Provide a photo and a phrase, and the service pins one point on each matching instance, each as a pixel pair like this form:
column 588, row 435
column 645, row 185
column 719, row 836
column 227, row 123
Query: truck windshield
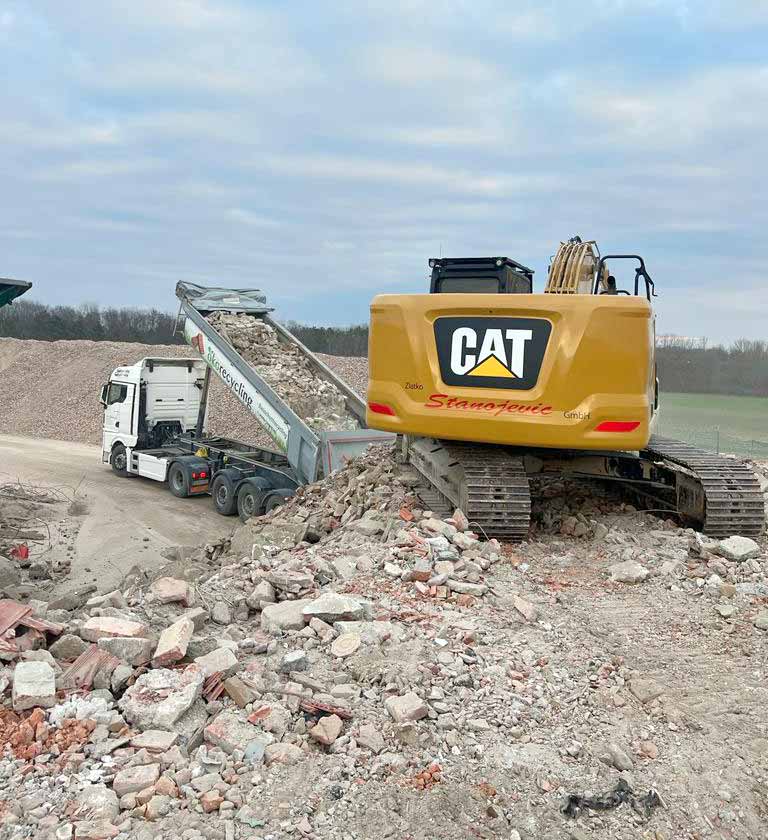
column 116, row 393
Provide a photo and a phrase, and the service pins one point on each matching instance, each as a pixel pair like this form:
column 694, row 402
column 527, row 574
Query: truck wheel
column 178, row 483
column 119, row 460
column 224, row 496
column 276, row 498
column 250, row 500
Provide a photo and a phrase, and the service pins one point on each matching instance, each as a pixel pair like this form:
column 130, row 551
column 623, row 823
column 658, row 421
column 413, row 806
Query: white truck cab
column 155, row 426
column 147, row 404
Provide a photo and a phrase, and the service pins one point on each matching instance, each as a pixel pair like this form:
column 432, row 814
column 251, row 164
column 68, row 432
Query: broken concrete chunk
column 161, row 697
column 221, row 659
column 327, row 729
column 738, row 549
column 173, row 642
column 154, row 740
column 198, row 616
column 98, row 802
column 437, row 526
column 134, row 779
column 406, row 708
column 34, row 684
column 229, row 731
column 99, row 627
column 525, row 608
column 464, row 588
column 68, row 647
column 630, row 571
column 287, row 615
column 133, row 651
column 263, row 593
column 294, row 660
column 170, row 590
column 221, row 613
column 370, row 632
column 283, row 754
column 368, row 527
column 464, row 541
column 617, row 757
column 645, row 690
column 332, row 606
column 370, row 738
column 460, row 520
column 323, row 630
column 91, row 830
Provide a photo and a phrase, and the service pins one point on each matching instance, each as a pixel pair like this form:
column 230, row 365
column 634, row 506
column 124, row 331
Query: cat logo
column 491, row 352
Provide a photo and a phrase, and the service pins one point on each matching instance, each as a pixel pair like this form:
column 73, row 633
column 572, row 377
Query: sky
column 324, row 151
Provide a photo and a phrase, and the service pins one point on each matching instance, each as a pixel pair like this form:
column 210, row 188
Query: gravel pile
column 352, row 369
column 51, row 389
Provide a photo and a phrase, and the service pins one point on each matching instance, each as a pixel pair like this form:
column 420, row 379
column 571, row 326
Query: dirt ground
column 117, row 523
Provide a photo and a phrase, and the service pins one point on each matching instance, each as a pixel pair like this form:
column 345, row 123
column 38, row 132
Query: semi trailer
column 156, row 415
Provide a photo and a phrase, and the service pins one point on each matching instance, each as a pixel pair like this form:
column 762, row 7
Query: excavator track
column 497, row 491
column 488, row 483
column 729, row 500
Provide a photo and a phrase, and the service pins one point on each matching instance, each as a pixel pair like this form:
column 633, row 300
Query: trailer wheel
column 224, row 496
column 250, row 500
column 276, row 498
column 119, row 460
column 178, row 483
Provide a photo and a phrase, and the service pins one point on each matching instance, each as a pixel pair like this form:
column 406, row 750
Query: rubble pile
column 353, row 666
column 287, row 371
column 38, row 528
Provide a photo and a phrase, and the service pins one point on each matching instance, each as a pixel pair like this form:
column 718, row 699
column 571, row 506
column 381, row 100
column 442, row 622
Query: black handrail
column 640, row 271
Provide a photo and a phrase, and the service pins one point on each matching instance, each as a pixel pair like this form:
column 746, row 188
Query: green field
column 715, row 421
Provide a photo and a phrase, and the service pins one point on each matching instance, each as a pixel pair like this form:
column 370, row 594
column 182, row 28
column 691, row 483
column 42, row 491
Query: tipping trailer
column 155, row 416
column 11, row 289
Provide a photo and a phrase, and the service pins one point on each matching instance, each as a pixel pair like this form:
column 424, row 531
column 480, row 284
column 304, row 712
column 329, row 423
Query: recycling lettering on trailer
column 240, row 387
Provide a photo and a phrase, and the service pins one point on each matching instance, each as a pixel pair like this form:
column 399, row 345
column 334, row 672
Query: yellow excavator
column 487, row 383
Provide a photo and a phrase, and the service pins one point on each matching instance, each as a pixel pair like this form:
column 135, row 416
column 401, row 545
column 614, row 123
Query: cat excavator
column 487, row 383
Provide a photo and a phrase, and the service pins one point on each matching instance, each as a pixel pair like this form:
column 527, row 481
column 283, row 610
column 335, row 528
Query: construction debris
column 287, row 371
column 383, row 669
column 621, row 793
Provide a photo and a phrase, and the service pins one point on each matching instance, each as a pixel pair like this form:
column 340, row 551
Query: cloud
column 415, row 64
column 343, row 144
column 97, row 169
column 245, row 217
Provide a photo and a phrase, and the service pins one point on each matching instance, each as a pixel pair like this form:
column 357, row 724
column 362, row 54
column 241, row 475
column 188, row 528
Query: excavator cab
column 481, row 275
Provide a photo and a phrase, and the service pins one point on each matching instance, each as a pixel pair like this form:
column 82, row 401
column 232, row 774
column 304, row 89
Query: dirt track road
column 129, row 520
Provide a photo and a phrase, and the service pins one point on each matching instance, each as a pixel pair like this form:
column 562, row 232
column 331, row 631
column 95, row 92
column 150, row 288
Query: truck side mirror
column 103, row 396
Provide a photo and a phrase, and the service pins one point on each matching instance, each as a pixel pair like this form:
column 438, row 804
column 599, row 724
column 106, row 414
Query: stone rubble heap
column 287, row 371
column 352, row 666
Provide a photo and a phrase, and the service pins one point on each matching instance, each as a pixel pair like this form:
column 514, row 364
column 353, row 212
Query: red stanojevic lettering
column 497, row 407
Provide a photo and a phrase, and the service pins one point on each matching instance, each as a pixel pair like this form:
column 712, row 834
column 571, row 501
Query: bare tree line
column 29, row 319
column 684, row 365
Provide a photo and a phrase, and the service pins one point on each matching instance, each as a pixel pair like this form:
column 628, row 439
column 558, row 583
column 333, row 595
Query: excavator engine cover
column 532, row 370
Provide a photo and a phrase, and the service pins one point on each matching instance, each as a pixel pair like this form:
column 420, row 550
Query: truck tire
column 224, row 495
column 178, row 482
column 276, row 498
column 119, row 460
column 250, row 500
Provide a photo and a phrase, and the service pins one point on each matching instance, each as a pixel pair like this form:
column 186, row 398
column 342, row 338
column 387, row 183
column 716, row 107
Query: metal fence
column 715, row 439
